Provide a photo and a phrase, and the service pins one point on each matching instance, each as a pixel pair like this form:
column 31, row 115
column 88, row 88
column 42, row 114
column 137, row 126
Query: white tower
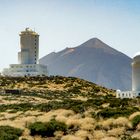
column 27, row 57
column 136, row 73
column 29, row 43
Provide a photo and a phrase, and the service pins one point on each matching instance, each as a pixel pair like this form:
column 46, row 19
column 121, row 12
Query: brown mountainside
column 94, row 61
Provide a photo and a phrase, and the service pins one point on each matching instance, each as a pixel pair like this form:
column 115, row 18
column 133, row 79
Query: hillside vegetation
column 60, row 108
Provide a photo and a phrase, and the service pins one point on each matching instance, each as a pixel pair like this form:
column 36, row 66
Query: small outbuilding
column 13, row 91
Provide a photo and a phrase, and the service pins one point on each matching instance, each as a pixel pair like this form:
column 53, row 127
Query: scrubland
column 60, row 108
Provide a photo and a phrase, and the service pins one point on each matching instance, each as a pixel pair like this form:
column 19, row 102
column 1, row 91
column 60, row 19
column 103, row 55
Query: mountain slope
column 93, row 61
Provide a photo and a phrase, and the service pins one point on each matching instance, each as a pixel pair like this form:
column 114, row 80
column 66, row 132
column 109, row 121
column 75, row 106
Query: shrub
column 116, row 112
column 53, row 126
column 9, row 133
column 38, row 128
column 135, row 121
column 47, row 129
column 75, row 105
column 128, row 138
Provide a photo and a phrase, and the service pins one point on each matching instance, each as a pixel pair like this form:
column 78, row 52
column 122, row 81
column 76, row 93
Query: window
column 139, row 94
column 35, row 43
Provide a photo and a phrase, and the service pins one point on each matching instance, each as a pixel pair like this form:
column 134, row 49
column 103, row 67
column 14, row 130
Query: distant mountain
column 94, row 61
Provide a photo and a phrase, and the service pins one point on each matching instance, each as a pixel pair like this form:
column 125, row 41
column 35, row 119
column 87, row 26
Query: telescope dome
column 136, row 57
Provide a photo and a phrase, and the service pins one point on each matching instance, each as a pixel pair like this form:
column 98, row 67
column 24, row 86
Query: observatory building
column 27, row 57
column 135, row 80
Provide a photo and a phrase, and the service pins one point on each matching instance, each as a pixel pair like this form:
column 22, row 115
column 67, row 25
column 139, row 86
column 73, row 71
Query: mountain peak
column 94, row 43
column 95, row 39
column 97, row 44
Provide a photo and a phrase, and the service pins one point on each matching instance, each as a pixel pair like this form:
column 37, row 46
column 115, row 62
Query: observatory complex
column 27, row 57
column 135, row 80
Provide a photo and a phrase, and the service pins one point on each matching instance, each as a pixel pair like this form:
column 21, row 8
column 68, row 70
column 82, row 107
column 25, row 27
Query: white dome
column 136, row 54
column 118, row 90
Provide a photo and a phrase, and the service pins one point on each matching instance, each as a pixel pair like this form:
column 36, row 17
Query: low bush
column 116, row 112
column 75, row 105
column 135, row 121
column 47, row 129
column 117, row 102
column 38, row 128
column 9, row 133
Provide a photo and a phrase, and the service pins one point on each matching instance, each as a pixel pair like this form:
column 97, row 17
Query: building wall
column 127, row 94
column 29, row 42
column 16, row 70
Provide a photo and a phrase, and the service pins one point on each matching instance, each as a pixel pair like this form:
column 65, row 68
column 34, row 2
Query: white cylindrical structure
column 136, row 73
column 29, row 43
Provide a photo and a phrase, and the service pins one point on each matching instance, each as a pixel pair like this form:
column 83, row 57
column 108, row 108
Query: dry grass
column 106, row 124
column 87, row 123
column 22, row 99
column 116, row 131
column 60, row 115
column 58, row 134
column 110, row 138
column 84, row 134
column 122, row 122
column 54, row 87
column 99, row 134
column 136, row 135
column 105, row 105
column 133, row 115
column 80, row 98
column 71, row 137
column 6, row 115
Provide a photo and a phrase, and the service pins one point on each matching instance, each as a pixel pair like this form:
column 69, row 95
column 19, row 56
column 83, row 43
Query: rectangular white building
column 127, row 94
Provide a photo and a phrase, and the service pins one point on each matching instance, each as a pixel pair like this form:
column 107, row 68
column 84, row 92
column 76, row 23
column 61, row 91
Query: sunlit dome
column 136, row 54
column 118, row 90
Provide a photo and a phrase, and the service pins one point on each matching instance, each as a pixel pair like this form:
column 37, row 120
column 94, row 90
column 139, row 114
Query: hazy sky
column 68, row 23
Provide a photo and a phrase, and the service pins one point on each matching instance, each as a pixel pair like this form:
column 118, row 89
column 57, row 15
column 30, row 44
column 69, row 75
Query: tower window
column 35, row 43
